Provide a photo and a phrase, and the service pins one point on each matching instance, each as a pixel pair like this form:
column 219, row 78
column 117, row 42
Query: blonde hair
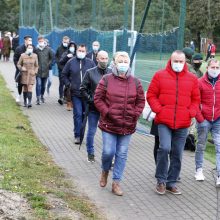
column 213, row 60
column 121, row 54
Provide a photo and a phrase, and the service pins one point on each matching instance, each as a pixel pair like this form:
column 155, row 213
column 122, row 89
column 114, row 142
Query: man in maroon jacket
column 173, row 95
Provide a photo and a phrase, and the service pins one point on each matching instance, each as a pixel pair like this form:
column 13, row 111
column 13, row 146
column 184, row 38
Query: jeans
column 115, row 145
column 203, row 129
column 78, row 114
column 61, row 85
column 170, row 140
column 40, row 86
column 93, row 119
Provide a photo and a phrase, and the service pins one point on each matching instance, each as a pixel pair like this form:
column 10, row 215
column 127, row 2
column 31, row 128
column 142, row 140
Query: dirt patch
column 13, row 206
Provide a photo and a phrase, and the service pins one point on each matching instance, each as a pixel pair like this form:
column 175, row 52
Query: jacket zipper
column 125, row 104
column 176, row 100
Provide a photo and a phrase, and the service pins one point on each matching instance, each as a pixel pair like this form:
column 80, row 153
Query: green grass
column 27, row 168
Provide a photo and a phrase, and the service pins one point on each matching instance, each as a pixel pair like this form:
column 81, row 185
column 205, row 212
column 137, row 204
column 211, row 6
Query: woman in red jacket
column 119, row 98
column 208, row 117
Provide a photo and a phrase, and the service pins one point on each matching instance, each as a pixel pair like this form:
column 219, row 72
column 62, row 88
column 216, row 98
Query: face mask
column 213, row 73
column 95, row 48
column 65, row 44
column 72, row 49
column 41, row 44
column 81, row 55
column 122, row 67
column 103, row 65
column 177, row 67
column 197, row 65
column 29, row 51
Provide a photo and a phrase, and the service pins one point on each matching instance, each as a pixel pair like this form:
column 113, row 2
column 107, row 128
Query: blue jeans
column 170, row 141
column 115, row 145
column 93, row 119
column 203, row 129
column 78, row 114
column 40, row 86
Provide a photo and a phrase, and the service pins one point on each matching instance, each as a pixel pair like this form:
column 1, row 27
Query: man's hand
column 69, row 55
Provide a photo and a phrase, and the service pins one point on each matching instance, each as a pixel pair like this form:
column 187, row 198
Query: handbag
column 148, row 114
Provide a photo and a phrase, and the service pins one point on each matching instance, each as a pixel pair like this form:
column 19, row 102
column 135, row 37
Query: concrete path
column 52, row 123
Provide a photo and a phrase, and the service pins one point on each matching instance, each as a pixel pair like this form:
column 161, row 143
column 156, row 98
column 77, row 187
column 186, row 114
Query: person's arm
column 66, row 75
column 20, row 63
column 140, row 100
column 85, row 87
column 36, row 65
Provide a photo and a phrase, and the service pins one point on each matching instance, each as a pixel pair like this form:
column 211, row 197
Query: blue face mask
column 72, row 49
column 122, row 67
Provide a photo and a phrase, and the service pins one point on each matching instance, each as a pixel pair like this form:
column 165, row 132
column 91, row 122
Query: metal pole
column 21, row 13
column 93, row 13
column 162, row 27
column 181, row 24
column 140, row 31
column 132, row 15
column 73, row 13
column 57, row 13
column 51, row 15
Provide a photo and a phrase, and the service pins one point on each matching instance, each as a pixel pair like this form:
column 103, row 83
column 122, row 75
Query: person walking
column 173, row 95
column 208, row 117
column 59, row 52
column 72, row 74
column 28, row 66
column 18, row 51
column 45, row 58
column 119, row 97
column 87, row 89
column 93, row 54
column 6, row 49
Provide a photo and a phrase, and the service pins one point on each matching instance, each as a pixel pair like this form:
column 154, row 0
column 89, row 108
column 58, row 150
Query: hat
column 198, row 56
column 71, row 43
column 27, row 36
column 188, row 52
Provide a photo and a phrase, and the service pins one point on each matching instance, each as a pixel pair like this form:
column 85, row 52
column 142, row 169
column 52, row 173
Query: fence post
column 182, row 18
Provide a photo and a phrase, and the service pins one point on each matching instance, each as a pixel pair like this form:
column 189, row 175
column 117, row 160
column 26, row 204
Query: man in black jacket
column 87, row 88
column 93, row 54
column 18, row 51
column 60, row 50
column 73, row 73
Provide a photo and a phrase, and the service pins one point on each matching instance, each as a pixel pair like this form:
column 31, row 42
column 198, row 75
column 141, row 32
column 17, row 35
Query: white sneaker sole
column 200, row 179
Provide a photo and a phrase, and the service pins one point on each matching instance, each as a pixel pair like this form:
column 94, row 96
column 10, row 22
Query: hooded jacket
column 174, row 97
column 120, row 102
column 210, row 100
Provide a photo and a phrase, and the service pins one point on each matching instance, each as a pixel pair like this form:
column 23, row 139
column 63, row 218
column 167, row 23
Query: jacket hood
column 115, row 72
column 170, row 70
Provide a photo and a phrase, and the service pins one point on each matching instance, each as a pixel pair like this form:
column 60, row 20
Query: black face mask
column 197, row 65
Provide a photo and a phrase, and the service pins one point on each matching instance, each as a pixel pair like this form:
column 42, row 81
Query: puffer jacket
column 210, row 100
column 89, row 84
column 174, row 97
column 120, row 102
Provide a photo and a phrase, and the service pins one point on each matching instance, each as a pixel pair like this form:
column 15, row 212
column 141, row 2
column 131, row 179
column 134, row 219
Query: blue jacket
column 73, row 73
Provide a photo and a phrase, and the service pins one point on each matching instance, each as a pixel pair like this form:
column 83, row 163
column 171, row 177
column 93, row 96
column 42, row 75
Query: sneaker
column 42, row 99
column 18, row 98
column 38, row 102
column 173, row 190
column 199, row 175
column 77, row 140
column 161, row 188
column 218, row 181
column 91, row 158
column 60, row 101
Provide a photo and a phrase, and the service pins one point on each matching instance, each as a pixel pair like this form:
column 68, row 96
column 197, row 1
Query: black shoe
column 60, row 101
column 29, row 105
column 42, row 99
column 91, row 158
column 38, row 102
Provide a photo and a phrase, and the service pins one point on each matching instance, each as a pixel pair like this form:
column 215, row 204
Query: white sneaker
column 199, row 175
column 218, row 181
column 18, row 98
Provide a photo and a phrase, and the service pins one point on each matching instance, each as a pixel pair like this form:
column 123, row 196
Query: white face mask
column 29, row 51
column 81, row 55
column 95, row 48
column 122, row 67
column 213, row 73
column 72, row 49
column 65, row 44
column 41, row 44
column 177, row 67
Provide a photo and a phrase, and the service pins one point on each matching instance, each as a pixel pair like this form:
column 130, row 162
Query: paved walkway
column 53, row 125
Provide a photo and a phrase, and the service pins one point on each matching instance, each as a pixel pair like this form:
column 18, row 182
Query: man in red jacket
column 173, row 95
column 208, row 117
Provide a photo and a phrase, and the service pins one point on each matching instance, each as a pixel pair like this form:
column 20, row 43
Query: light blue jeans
column 93, row 119
column 171, row 142
column 115, row 145
column 203, row 129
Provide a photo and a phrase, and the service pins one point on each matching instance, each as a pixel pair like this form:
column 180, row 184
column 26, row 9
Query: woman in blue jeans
column 119, row 98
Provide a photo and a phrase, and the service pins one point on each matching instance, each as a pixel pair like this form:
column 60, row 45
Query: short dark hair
column 27, row 36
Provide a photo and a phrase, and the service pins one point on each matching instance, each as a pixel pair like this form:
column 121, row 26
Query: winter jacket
column 91, row 55
column 60, row 50
column 64, row 58
column 45, row 59
column 120, row 102
column 73, row 73
column 210, row 100
column 174, row 97
column 28, row 66
column 89, row 84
